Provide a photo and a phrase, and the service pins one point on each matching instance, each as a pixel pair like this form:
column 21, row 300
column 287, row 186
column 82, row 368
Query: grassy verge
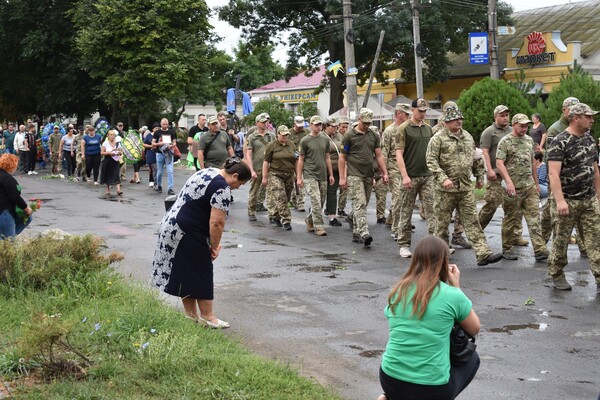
column 70, row 327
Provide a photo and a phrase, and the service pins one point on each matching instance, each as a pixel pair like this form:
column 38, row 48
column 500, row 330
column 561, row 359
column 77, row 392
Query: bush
column 478, row 102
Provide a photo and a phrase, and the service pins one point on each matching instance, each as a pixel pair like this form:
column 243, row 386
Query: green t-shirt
column 413, row 140
column 314, row 149
column 517, row 154
column 257, row 143
column 281, row 157
column 218, row 150
column 359, row 149
column 418, row 350
column 334, row 150
column 490, row 137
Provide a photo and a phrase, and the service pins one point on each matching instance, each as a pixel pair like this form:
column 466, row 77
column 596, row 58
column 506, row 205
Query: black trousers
column 32, row 158
column 92, row 163
column 70, row 159
column 460, row 377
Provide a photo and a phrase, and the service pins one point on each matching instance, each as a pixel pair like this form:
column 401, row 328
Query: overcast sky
column 231, row 35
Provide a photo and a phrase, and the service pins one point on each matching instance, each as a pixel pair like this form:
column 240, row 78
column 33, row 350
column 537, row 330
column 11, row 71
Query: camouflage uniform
column 316, row 190
column 412, row 139
column 54, row 144
column 517, row 154
column 257, row 143
column 579, row 169
column 80, row 161
column 494, row 192
column 388, row 149
column 452, row 157
column 381, row 190
column 280, row 182
column 297, row 198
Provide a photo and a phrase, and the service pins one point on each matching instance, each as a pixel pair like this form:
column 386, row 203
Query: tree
column 478, row 102
column 277, row 112
column 255, row 65
column 576, row 83
column 307, row 109
column 143, row 51
column 314, row 34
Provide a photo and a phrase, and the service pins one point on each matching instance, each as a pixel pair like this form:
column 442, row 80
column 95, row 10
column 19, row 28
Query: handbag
column 462, row 346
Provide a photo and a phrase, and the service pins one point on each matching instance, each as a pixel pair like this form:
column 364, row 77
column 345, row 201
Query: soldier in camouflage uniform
column 343, row 124
column 575, row 182
column 451, row 159
column 296, row 134
column 379, row 187
column 514, row 160
column 331, row 130
column 356, row 171
column 255, row 155
column 278, row 173
column 549, row 216
column 457, row 236
column 388, row 149
column 314, row 166
column 411, row 141
column 494, row 190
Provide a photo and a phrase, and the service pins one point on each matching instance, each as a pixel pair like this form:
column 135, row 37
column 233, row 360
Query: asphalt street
column 316, row 303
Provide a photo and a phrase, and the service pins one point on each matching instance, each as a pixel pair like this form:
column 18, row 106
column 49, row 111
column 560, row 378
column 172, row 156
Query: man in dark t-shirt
column 164, row 140
column 193, row 144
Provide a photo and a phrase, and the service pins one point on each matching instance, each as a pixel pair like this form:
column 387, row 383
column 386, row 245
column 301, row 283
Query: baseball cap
column 366, row 115
column 520, row 119
column 315, row 119
column 581, row 108
column 212, row 120
column 299, row 121
column 283, row 130
column 331, row 122
column 403, row 107
column 262, row 117
column 80, row 128
column 500, row 109
column 570, row 101
column 452, row 113
column 420, row 104
column 343, row 120
column 449, row 104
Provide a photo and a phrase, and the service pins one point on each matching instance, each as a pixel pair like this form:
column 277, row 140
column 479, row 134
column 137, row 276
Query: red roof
column 299, row 81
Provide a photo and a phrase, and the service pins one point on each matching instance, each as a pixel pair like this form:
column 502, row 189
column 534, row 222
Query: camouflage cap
column 451, row 114
column 213, row 120
column 366, row 115
column 315, row 119
column 581, row 108
column 449, row 104
column 500, row 109
column 403, row 107
column 520, row 119
column 283, row 130
column 570, row 101
column 420, row 104
column 343, row 120
column 299, row 121
column 330, row 121
column 262, row 117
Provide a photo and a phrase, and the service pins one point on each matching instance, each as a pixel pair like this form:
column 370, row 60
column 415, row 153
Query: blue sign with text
column 478, row 48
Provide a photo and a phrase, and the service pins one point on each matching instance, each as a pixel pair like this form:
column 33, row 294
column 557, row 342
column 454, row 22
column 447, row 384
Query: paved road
column 317, row 303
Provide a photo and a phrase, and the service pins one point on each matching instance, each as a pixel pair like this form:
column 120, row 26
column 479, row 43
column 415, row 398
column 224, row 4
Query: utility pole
column 417, row 48
column 373, row 68
column 492, row 32
column 350, row 61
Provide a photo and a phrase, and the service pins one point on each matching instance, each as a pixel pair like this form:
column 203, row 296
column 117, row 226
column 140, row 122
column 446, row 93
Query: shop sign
column 298, row 97
column 536, row 49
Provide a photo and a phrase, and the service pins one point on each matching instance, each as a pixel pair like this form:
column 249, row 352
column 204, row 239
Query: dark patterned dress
column 182, row 264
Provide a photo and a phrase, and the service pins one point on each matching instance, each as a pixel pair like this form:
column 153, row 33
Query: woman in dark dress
column 189, row 239
column 10, row 198
column 110, row 168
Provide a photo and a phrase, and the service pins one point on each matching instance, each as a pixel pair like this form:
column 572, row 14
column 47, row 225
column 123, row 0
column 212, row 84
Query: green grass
column 78, row 330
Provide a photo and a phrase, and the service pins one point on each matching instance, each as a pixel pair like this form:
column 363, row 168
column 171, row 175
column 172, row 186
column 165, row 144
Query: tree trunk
column 336, row 85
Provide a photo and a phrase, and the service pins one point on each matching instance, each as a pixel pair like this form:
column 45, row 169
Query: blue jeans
column 160, row 161
column 9, row 227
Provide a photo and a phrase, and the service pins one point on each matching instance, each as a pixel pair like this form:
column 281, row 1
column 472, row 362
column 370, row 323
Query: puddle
column 371, row 353
column 558, row 317
column 264, row 275
column 116, row 199
column 355, row 347
column 510, row 328
column 318, row 268
column 332, row 276
column 260, row 251
column 297, row 265
column 267, row 241
column 234, row 267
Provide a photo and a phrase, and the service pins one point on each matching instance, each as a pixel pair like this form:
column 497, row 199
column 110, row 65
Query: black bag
column 462, row 346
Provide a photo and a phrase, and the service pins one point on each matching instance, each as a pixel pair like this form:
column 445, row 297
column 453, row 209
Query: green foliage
column 256, row 66
column 478, row 102
column 577, row 83
column 307, row 109
column 278, row 113
column 527, row 88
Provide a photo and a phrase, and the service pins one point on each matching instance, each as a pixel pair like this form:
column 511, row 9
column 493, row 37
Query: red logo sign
column 537, row 44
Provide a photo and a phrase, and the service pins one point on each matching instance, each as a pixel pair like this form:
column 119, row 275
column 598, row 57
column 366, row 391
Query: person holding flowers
column 11, row 223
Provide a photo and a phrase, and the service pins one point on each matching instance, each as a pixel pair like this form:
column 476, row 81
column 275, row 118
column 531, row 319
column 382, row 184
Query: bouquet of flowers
column 35, row 205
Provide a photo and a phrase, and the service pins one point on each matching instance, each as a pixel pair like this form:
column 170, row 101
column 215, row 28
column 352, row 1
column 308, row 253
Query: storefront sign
column 536, row 49
column 298, row 97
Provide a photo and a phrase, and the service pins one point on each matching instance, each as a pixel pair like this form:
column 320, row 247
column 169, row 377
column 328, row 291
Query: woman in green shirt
column 422, row 309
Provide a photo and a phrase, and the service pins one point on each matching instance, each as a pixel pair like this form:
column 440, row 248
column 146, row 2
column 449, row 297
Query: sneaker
column 405, row 252
column 490, row 259
column 159, row 189
column 261, row 207
column 335, row 222
column 287, row 226
column 252, row 217
column 29, row 173
column 34, row 172
column 367, row 240
column 542, row 255
column 356, row 238
column 451, row 250
column 381, row 220
column 77, row 179
column 412, row 228
column 321, row 232
column 520, row 242
column 509, row 255
column 61, row 176
column 342, row 213
column 170, row 192
column 309, row 225
column 461, row 241
column 96, row 183
column 561, row 283
column 151, row 184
